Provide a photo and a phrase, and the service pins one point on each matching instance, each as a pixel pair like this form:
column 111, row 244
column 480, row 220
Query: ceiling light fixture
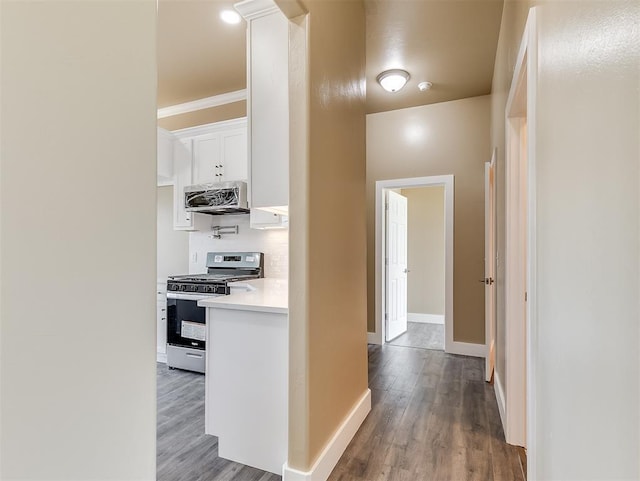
column 393, row 80
column 229, row 16
column 424, row 86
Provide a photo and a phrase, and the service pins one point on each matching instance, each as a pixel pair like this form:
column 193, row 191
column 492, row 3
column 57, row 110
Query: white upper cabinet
column 204, row 154
column 268, row 103
column 219, row 151
column 183, row 168
column 165, row 157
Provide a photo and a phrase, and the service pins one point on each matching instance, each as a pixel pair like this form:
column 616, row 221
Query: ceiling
column 451, row 43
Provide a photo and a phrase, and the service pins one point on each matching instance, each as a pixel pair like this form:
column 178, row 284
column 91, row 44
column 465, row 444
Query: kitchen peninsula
column 247, row 373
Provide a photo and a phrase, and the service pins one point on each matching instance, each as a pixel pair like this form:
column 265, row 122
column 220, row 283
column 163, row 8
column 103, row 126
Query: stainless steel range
column 186, row 328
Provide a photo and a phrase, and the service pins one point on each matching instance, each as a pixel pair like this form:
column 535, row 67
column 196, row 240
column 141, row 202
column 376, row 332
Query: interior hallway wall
column 327, row 310
column 514, row 17
column 438, row 139
column 78, row 240
column 425, row 250
column 588, row 241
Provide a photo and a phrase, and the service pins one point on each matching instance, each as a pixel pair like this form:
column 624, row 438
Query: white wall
column 173, row 245
column 588, row 212
column 274, row 243
column 78, row 240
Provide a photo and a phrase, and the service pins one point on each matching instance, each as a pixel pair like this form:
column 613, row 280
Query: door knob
column 487, row 280
column 406, row 270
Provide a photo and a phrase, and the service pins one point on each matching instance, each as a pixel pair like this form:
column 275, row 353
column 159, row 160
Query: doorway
column 520, row 229
column 401, row 274
column 422, row 269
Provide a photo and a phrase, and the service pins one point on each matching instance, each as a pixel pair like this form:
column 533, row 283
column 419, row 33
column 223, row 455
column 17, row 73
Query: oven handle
column 190, row 297
column 191, row 354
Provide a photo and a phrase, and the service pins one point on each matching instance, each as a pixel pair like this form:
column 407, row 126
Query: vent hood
column 218, row 198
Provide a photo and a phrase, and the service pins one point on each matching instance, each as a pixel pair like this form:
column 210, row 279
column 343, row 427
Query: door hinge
column 525, row 296
column 386, row 316
column 386, row 261
column 386, row 206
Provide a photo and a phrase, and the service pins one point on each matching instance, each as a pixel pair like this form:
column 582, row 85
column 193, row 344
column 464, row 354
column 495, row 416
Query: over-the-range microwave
column 217, row 198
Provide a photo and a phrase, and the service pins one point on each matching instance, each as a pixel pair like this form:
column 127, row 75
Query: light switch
column 194, row 257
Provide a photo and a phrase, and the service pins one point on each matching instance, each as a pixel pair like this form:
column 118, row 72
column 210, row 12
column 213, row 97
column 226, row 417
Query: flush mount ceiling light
column 393, row 80
column 229, row 16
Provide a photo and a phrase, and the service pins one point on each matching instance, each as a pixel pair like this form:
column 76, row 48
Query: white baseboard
column 161, row 357
column 334, row 449
column 374, row 338
column 425, row 318
column 502, row 406
column 466, row 349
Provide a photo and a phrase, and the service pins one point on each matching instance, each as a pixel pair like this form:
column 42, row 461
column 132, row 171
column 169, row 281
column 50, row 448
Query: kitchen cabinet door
column 161, row 321
column 268, row 107
column 207, row 158
column 182, row 219
column 233, row 145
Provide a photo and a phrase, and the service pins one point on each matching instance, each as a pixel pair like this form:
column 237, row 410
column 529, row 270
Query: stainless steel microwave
column 217, row 198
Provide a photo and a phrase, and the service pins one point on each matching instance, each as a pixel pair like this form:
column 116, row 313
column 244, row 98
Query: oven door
column 186, row 321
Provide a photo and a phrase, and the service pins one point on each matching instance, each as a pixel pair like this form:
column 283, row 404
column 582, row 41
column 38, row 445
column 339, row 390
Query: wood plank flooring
column 422, row 335
column 433, row 418
column 184, row 452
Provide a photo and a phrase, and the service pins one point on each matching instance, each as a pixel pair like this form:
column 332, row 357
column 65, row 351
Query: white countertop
column 263, row 295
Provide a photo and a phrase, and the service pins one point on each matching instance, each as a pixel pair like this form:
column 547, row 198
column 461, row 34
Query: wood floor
column 184, row 452
column 423, row 335
column 433, row 418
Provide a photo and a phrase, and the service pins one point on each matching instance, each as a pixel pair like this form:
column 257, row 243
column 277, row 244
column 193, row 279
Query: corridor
column 433, row 418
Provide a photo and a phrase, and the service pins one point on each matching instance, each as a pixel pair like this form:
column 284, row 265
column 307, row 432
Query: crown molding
column 200, row 104
column 251, row 9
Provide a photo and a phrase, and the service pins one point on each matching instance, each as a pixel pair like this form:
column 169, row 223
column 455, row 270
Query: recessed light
column 229, row 16
column 393, row 80
column 424, row 86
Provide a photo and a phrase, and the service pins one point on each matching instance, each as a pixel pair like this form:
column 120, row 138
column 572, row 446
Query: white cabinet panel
column 183, row 177
column 260, row 219
column 268, row 108
column 234, row 154
column 165, row 157
column 161, row 320
column 207, row 159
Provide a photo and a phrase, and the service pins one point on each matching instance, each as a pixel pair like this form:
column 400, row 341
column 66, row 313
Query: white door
column 490, row 265
column 396, row 255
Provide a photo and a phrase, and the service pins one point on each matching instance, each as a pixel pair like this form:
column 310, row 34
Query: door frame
column 490, row 249
column 447, row 181
column 521, row 339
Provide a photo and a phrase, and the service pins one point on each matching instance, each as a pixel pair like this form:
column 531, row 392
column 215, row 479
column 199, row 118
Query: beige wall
column 173, row 245
column 438, row 139
column 78, row 240
column 514, row 16
column 327, row 316
column 234, row 110
column 425, row 249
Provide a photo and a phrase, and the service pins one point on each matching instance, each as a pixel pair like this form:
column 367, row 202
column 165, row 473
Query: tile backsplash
column 273, row 242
